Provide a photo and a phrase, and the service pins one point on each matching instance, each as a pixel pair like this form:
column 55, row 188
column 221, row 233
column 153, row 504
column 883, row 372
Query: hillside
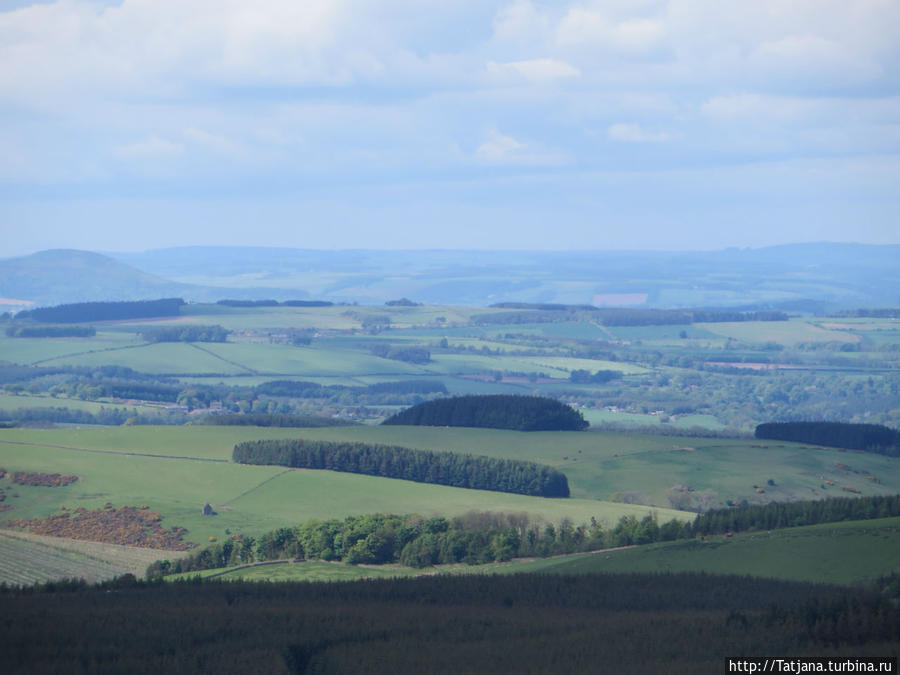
column 65, row 276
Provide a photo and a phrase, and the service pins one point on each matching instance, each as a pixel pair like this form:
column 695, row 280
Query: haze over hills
column 799, row 277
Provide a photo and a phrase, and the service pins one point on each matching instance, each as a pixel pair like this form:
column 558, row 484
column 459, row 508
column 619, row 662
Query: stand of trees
column 273, row 420
column 409, row 354
column 421, row 466
column 796, row 514
column 869, row 437
column 473, row 538
column 548, row 312
column 50, row 331
column 274, row 303
column 521, row 413
column 104, row 311
column 182, row 333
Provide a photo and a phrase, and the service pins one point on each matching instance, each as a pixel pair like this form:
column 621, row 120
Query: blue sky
column 621, row 124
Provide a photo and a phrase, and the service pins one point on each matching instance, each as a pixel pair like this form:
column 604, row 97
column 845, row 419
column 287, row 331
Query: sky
column 460, row 124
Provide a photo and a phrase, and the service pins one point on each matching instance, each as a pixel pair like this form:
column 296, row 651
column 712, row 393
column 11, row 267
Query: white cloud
column 152, row 147
column 498, row 148
column 537, row 71
column 582, row 26
column 633, row 133
column 812, row 56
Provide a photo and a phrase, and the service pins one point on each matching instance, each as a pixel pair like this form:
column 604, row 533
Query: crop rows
column 24, row 562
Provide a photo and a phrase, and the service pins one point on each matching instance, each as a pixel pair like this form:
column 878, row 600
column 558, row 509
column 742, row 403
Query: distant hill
column 65, row 276
column 810, row 278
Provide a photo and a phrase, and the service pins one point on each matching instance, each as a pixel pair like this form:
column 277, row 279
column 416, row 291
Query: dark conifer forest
column 421, row 466
column 104, row 311
column 520, row 413
column 621, row 623
column 869, row 437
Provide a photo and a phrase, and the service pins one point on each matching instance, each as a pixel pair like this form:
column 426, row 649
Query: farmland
column 855, row 553
column 29, row 558
column 850, row 553
column 715, row 376
column 671, row 380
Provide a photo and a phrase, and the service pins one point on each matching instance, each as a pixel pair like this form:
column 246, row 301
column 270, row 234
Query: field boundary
column 255, row 487
column 114, row 452
column 222, row 358
column 89, row 351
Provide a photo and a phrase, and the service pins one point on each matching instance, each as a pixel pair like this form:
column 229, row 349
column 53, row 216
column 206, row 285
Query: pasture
column 176, row 470
column 854, row 552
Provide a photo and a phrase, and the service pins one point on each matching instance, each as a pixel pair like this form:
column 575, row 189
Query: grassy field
column 841, row 553
column 787, row 333
column 12, row 402
column 175, row 470
column 41, row 350
column 599, row 465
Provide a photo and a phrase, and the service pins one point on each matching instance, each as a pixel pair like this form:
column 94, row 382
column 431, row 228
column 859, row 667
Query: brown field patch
column 126, row 526
column 37, row 479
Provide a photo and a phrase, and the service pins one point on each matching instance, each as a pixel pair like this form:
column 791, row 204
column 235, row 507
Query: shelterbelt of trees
column 181, row 333
column 548, row 312
column 275, row 303
column 275, row 420
column 421, row 466
column 496, row 411
column 875, row 438
column 104, row 311
column 796, row 514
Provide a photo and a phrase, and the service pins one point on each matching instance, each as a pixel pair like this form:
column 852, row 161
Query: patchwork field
column 176, row 470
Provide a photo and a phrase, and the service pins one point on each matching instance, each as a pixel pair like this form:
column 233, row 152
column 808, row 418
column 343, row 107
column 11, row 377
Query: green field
column 783, row 332
column 175, row 470
column 12, row 402
column 599, row 465
column 841, row 553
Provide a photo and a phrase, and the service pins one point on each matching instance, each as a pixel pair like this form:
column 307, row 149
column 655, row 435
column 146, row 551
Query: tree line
column 614, row 316
column 50, row 331
column 496, row 411
column 302, row 389
column 482, row 537
column 275, row 303
column 104, row 311
column 421, row 466
column 875, row 438
column 184, row 333
column 406, row 353
column 272, row 420
column 796, row 514
column 473, row 538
